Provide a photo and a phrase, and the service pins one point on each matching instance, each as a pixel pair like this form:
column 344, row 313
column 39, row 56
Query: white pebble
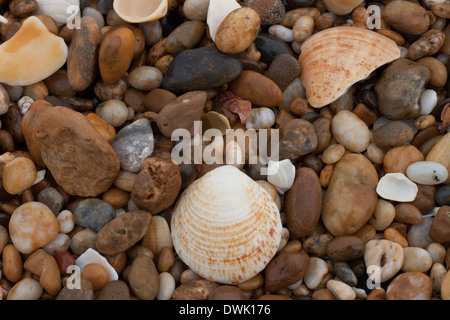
column 427, row 172
column 281, row 32
column 114, row 112
column 25, row 289
column 428, row 101
column 437, row 252
column 166, row 286
column 317, row 269
column 260, row 118
column 24, row 104
column 65, row 221
column 341, row 290
column 39, row 177
column 386, row 255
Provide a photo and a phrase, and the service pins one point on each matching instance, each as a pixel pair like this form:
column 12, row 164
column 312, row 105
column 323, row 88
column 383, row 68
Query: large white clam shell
column 397, row 187
column 225, row 226
column 60, row 10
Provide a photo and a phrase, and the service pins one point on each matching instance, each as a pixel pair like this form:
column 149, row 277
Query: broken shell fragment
column 59, row 10
column 281, row 174
column 334, row 59
column 92, row 256
column 218, row 10
column 138, row 11
column 225, row 226
column 31, row 55
column 397, row 187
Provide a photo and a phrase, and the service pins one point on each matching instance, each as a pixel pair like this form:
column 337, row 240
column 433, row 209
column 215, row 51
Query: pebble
column 285, row 269
column 104, row 128
column 428, row 101
column 59, row 244
column 303, row 28
column 322, row 126
column 271, row 12
column 345, row 248
column 133, row 144
column 281, row 32
column 122, row 233
column 270, row 47
column 316, row 244
column 443, row 195
column 416, row 260
column 424, row 121
column 116, row 197
column 86, row 291
column 317, row 269
column 185, row 36
column 399, row 158
column 293, row 91
column 156, row 99
column 89, row 166
column 93, row 213
column 257, row 88
column 407, row 213
column 341, row 290
column 283, row 70
column 115, row 54
column 114, row 112
column 157, row 185
column 437, row 252
column 344, row 273
column 399, row 89
column 44, row 266
column 410, row 286
column 143, row 278
column 199, row 289
column 82, row 60
column 12, row 263
column 393, row 134
column 83, row 241
column 196, row 9
column 92, row 256
column 438, row 76
column 293, row 15
column 418, row 234
column 115, row 290
column 297, row 138
column 383, row 215
column 181, row 113
column 64, row 260
column 32, row 226
column 145, row 78
column 344, row 213
column 350, row 131
column 406, row 17
column 4, row 238
column 385, row 254
column 333, row 153
column 303, row 203
column 200, row 69
column 440, row 227
column 96, row 274
column 427, row 172
column 260, row 118
column 52, row 199
column 227, row 292
column 25, row 289
column 395, row 236
column 439, row 153
column 445, row 287
column 65, row 221
column 19, row 175
column 437, row 275
column 427, row 45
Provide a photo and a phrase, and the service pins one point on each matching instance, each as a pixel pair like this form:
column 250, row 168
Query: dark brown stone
column 115, row 290
column 345, row 248
column 440, row 227
column 285, row 269
column 297, row 138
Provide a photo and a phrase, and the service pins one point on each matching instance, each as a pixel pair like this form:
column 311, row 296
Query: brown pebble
column 399, row 158
column 345, row 248
column 323, row 294
column 116, row 197
column 440, row 227
column 407, row 213
column 410, row 286
column 194, row 290
column 322, row 126
column 285, row 269
column 115, row 290
column 299, row 106
column 96, row 274
column 425, row 198
column 395, row 236
column 166, row 259
column 377, row 294
column 227, row 292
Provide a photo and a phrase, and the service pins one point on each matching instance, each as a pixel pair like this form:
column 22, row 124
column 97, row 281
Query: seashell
column 58, row 10
column 281, row 174
column 215, row 120
column 92, row 256
column 31, row 55
column 334, row 59
column 157, row 235
column 427, row 172
column 397, row 187
column 225, row 226
column 217, row 12
column 138, row 11
column 341, row 7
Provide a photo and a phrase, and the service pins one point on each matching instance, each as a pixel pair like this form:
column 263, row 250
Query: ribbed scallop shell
column 334, row 59
column 341, row 7
column 225, row 226
column 137, row 11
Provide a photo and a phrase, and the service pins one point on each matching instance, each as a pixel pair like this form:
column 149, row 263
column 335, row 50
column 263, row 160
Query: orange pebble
column 116, row 197
column 107, row 131
column 395, row 236
column 96, row 274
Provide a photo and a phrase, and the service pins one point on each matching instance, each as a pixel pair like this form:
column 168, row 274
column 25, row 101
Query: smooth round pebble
column 18, row 175
column 281, row 32
column 437, row 275
column 341, row 290
column 350, row 131
column 333, row 153
column 437, row 252
column 445, row 287
column 317, row 269
column 25, row 289
column 383, row 215
column 65, row 221
column 416, row 259
column 96, row 274
column 114, row 112
column 166, row 286
column 385, row 254
column 418, row 234
column 427, row 172
column 410, row 286
column 145, row 78
column 93, row 213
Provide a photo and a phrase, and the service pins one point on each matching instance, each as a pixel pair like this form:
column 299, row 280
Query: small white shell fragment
column 24, row 104
column 225, row 227
column 57, row 9
column 428, row 101
column 218, row 10
column 281, row 32
column 3, row 19
column 92, row 256
column 397, row 187
column 281, row 174
column 39, row 177
column 427, row 172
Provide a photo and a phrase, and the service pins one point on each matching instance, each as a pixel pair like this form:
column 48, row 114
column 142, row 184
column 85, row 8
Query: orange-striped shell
column 334, row 59
column 225, row 226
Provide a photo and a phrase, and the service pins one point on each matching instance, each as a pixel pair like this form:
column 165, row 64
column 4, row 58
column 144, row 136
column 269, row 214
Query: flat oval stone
column 439, row 153
column 200, row 69
column 143, row 278
column 393, row 134
column 440, row 227
column 345, row 248
column 93, row 213
column 350, row 131
column 122, row 232
column 410, row 286
column 257, row 88
column 285, row 269
column 443, row 195
column 399, row 89
column 32, row 226
column 427, row 172
column 82, row 60
column 115, row 290
column 81, row 161
column 406, row 17
column 133, row 144
column 185, row 36
column 303, row 203
column 346, row 212
column 399, row 158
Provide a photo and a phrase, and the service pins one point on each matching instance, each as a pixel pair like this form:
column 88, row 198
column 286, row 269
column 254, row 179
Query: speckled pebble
column 93, row 213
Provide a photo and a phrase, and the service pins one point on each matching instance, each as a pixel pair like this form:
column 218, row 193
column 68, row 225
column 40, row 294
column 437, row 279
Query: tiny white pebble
column 428, row 101
column 281, row 32
column 24, row 104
